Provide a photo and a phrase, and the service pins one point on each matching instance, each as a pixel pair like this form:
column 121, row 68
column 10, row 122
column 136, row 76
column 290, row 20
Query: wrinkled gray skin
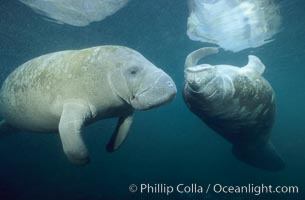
column 67, row 90
column 237, row 103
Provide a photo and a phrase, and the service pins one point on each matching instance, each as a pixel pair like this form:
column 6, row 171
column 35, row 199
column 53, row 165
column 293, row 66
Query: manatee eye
column 133, row 70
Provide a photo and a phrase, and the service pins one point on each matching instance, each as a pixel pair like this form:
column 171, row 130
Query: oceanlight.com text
column 255, row 189
column 194, row 188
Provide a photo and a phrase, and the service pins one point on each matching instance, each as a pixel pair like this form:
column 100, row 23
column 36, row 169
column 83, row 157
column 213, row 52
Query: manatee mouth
column 198, row 76
column 136, row 96
column 193, row 82
column 194, row 88
column 162, row 91
column 149, row 99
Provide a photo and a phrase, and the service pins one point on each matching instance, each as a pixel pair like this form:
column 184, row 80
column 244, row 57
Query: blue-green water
column 168, row 145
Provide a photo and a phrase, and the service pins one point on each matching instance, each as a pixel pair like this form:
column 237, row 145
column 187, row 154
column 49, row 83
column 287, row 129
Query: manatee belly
column 246, row 116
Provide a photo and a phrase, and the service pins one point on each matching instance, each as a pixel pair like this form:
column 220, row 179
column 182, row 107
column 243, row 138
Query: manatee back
column 37, row 89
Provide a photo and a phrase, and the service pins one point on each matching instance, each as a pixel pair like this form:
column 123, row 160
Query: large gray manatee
column 64, row 91
column 237, row 103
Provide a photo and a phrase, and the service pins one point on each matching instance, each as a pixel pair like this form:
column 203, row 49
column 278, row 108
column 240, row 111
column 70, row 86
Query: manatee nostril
column 169, row 84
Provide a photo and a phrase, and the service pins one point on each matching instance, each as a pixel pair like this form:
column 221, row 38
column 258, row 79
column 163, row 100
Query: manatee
column 67, row 90
column 234, row 25
column 75, row 13
column 237, row 103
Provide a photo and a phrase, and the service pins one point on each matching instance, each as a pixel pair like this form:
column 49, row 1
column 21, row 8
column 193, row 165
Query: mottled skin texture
column 237, row 103
column 41, row 86
column 67, row 90
column 240, row 107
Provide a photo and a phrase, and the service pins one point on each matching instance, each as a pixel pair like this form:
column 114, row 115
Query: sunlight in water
column 233, row 25
column 76, row 13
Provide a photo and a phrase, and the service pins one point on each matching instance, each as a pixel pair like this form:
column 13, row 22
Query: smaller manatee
column 237, row 103
column 65, row 91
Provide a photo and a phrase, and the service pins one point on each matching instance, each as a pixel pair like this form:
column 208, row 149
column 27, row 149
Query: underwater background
column 168, row 145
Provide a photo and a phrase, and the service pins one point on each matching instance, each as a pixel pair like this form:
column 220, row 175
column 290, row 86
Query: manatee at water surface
column 76, row 13
column 233, row 25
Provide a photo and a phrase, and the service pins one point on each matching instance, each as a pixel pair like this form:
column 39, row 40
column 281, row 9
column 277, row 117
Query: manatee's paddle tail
column 264, row 157
column 193, row 58
column 120, row 132
column 254, row 65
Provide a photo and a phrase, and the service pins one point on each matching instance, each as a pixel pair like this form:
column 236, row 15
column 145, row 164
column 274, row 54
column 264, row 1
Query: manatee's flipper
column 264, row 157
column 72, row 120
column 193, row 58
column 6, row 129
column 254, row 65
column 120, row 132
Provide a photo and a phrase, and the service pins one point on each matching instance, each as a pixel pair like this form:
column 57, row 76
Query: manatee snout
column 160, row 89
column 198, row 76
